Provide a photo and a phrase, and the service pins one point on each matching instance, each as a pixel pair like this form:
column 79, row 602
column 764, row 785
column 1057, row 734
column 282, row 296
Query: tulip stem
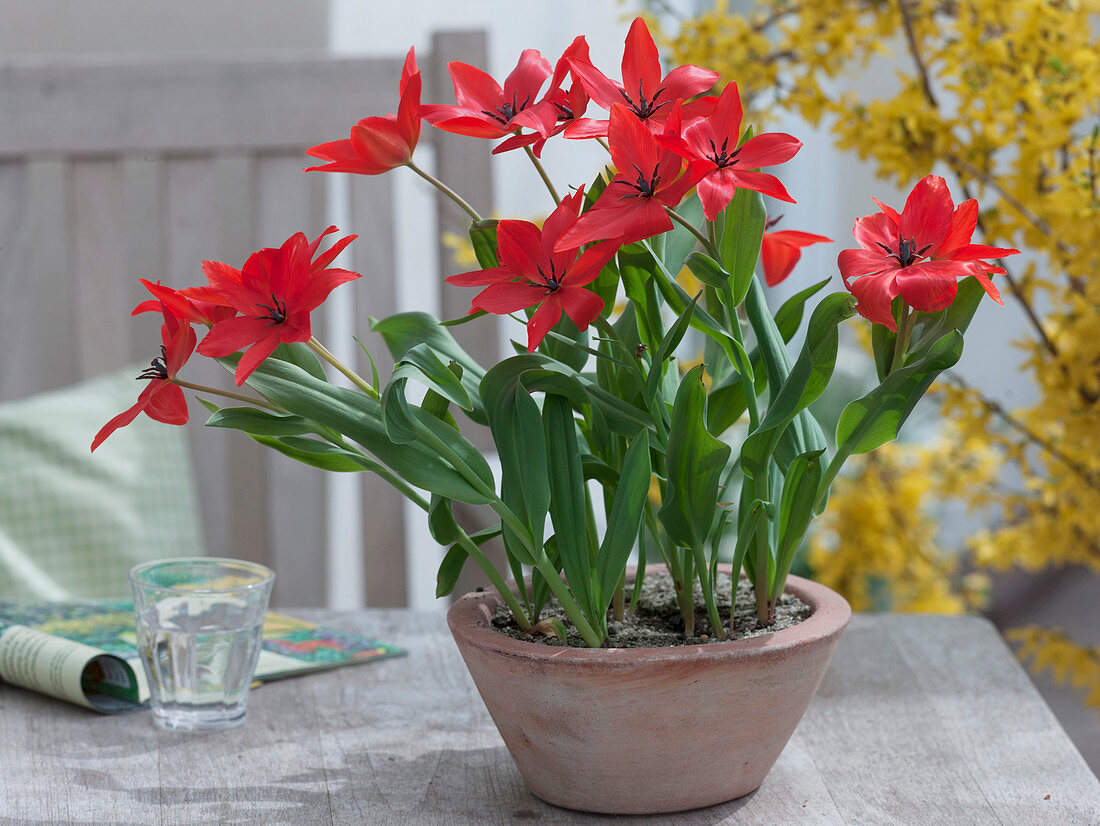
column 352, row 376
column 686, row 224
column 906, row 322
column 202, row 388
column 446, row 190
column 542, row 173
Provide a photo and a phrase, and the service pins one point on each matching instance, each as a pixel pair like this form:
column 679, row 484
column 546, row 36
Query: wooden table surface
column 920, row 720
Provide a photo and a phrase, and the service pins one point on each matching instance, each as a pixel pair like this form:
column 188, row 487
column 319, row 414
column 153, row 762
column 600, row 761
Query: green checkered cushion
column 72, row 523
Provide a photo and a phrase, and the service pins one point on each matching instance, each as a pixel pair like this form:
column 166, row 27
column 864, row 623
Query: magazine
column 86, row 652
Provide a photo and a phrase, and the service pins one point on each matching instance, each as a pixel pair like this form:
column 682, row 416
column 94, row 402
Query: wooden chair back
column 111, row 172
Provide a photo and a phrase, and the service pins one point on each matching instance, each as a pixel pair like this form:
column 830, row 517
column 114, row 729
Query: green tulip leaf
column 695, row 462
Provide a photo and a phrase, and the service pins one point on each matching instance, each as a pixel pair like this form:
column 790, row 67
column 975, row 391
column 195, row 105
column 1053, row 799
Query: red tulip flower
column 711, row 144
column 558, row 108
column 780, row 251
column 646, row 94
column 533, row 271
column 920, row 254
column 161, row 399
column 378, row 144
column 633, row 205
column 483, row 109
column 195, row 305
column 274, row 293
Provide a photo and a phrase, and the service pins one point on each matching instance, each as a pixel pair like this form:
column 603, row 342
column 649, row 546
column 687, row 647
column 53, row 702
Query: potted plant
column 596, row 420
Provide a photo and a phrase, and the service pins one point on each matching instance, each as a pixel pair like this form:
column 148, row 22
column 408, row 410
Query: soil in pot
column 656, row 621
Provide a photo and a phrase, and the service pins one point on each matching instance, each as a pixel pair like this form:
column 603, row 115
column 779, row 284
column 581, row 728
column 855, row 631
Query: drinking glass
column 199, row 627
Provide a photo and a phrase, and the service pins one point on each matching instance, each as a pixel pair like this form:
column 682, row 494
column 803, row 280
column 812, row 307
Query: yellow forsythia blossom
column 1071, row 664
column 1004, row 96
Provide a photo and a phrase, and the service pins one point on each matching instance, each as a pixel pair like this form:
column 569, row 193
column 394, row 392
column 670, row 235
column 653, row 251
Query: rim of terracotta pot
column 469, row 617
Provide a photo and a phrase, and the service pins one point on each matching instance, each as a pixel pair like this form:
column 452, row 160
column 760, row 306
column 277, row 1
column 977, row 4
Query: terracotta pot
column 648, row 730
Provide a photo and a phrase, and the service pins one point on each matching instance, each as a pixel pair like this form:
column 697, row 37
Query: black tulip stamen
column 907, row 253
column 551, row 281
column 276, row 313
column 158, row 367
column 565, row 112
column 504, row 113
column 646, row 187
column 643, row 107
column 722, row 158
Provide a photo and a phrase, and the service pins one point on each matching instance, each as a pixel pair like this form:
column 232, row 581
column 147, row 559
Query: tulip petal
column 980, row 273
column 581, row 305
column 873, row 232
column 858, row 263
column 634, row 150
column 331, row 254
column 560, row 220
column 583, row 128
column 518, row 246
column 777, row 259
column 687, row 81
column 768, row 149
column 929, row 286
column 318, row 287
column 889, row 212
column 542, row 320
column 255, row 355
column 179, row 349
column 928, row 212
column 641, row 62
column 797, row 238
column 963, row 222
column 591, row 261
column 508, row 297
column 874, row 294
column 725, row 123
column 167, row 404
column 763, row 183
column 380, row 143
column 480, row 278
column 462, row 124
column 523, row 83
column 973, row 252
column 602, row 89
column 629, row 220
column 124, row 418
column 517, row 142
column 715, row 193
column 341, row 151
column 233, row 334
column 474, row 89
column 409, row 70
column 408, row 108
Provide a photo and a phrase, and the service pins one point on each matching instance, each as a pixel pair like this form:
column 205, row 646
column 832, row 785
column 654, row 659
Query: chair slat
column 17, row 368
column 296, row 536
column 192, row 105
column 384, row 536
column 101, row 287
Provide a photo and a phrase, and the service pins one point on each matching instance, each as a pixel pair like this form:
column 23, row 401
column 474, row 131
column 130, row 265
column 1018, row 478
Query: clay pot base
column 648, row 730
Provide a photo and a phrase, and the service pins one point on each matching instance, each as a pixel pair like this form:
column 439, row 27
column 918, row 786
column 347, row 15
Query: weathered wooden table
column 920, row 720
